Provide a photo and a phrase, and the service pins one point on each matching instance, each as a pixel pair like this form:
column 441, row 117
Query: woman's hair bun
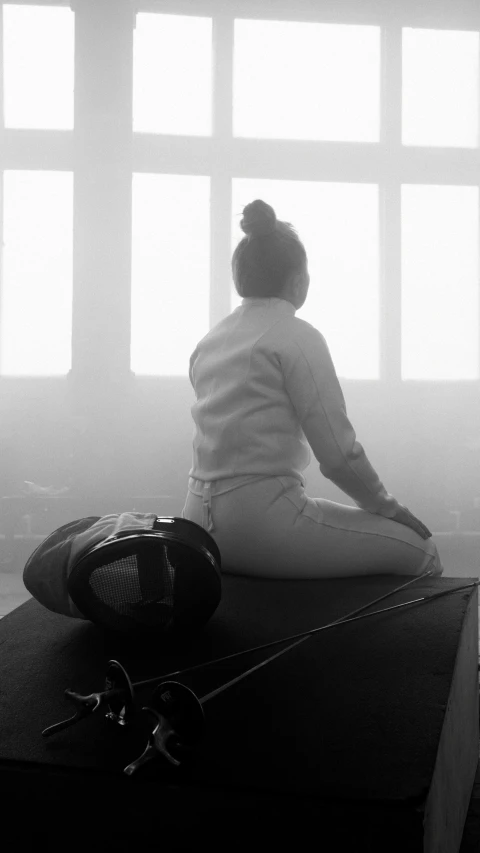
column 259, row 219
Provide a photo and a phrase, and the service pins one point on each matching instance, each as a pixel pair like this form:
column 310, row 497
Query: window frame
column 223, row 157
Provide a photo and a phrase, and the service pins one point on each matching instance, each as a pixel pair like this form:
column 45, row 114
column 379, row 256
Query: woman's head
column 271, row 259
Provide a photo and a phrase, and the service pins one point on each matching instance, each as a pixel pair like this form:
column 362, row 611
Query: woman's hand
column 404, row 516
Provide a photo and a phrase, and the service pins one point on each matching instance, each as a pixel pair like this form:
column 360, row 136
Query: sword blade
column 200, row 666
column 302, row 639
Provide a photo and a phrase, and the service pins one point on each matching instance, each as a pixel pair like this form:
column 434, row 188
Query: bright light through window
column 170, row 271
column 306, row 81
column 440, row 88
column 440, row 282
column 38, row 50
column 36, row 296
column 172, row 74
column 338, row 225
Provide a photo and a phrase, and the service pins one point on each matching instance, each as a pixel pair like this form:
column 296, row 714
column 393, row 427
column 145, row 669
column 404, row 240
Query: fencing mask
column 135, row 573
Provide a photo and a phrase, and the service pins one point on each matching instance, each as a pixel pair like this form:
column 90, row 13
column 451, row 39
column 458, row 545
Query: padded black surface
column 355, row 712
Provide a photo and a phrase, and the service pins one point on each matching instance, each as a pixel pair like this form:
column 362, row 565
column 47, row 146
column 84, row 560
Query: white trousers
column 271, row 528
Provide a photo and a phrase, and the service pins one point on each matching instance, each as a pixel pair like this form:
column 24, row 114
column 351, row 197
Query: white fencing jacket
column 266, row 388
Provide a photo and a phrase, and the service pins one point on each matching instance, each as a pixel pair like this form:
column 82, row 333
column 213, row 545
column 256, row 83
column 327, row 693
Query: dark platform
column 364, row 738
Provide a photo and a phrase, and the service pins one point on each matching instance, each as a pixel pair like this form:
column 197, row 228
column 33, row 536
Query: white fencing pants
column 270, row 528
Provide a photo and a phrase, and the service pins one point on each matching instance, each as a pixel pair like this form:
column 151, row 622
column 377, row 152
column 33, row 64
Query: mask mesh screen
column 117, row 583
column 133, row 590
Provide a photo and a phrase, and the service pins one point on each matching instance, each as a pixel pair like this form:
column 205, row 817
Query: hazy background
column 128, row 150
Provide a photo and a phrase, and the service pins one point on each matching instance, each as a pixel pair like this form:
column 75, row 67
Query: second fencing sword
column 122, row 695
column 178, row 711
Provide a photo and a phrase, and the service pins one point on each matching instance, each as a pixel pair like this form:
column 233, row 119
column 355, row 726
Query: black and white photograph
column 240, row 426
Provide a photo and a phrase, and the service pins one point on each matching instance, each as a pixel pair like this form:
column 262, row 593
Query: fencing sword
column 119, row 692
column 304, row 634
column 178, row 711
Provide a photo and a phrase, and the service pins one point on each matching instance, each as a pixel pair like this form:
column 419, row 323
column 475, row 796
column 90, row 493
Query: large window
column 440, row 305
column 36, row 298
column 132, row 138
column 306, row 81
column 172, row 82
column 440, row 88
column 38, row 66
column 37, row 208
column 170, row 271
column 295, row 90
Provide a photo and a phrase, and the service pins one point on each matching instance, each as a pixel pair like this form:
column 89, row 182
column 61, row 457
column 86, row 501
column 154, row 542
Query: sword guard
column 119, row 694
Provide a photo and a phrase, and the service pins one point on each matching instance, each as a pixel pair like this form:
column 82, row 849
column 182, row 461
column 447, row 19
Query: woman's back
column 245, row 421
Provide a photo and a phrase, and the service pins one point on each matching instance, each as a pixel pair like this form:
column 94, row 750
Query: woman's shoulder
column 215, row 332
column 297, row 329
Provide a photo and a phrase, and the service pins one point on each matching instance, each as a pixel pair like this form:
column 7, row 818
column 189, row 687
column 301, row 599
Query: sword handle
column 86, row 705
column 157, row 743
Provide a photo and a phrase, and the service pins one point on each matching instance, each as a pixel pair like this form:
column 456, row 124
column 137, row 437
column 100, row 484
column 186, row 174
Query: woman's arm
column 313, row 387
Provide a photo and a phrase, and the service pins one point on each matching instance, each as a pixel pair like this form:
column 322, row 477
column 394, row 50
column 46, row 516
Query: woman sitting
column 265, row 389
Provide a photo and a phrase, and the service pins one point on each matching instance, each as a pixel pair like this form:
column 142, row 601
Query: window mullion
column 221, row 176
column 2, row 167
column 478, row 184
column 390, row 211
column 103, row 181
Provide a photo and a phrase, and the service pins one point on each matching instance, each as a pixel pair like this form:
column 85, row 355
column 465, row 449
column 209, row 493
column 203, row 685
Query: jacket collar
column 281, row 305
